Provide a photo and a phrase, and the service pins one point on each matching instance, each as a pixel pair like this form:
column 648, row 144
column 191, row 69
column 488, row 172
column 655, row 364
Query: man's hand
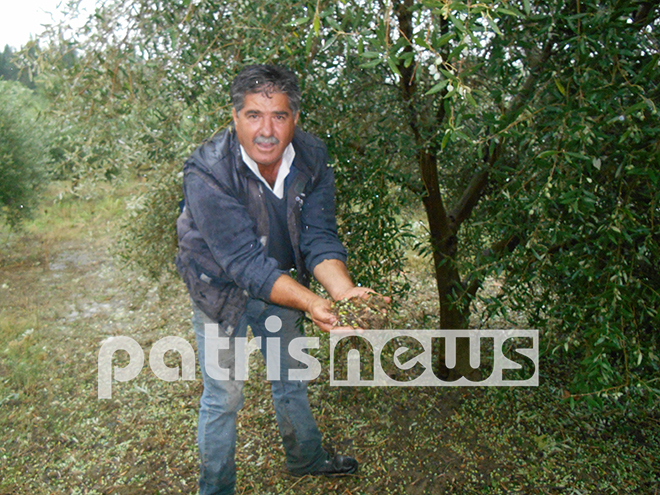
column 334, row 276
column 321, row 314
column 320, row 311
column 362, row 308
column 288, row 292
column 361, row 292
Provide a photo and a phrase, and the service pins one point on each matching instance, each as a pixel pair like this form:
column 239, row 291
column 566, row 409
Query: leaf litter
column 57, row 437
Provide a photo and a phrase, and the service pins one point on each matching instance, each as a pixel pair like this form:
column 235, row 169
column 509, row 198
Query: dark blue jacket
column 223, row 229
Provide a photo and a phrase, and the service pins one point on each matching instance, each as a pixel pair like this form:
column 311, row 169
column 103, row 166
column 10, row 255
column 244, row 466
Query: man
column 259, row 204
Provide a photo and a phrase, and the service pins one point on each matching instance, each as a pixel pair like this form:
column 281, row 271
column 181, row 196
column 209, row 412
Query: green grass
column 62, row 294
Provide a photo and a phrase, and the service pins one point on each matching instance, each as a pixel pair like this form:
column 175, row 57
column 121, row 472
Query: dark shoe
column 339, row 465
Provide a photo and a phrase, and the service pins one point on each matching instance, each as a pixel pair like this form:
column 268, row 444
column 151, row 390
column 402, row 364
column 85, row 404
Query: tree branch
column 403, row 11
column 521, row 98
column 436, row 212
column 479, row 181
column 470, row 197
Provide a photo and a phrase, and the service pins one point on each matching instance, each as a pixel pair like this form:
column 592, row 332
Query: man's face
column 265, row 126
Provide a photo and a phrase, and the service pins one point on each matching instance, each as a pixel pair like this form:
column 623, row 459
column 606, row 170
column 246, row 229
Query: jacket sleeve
column 229, row 232
column 319, row 240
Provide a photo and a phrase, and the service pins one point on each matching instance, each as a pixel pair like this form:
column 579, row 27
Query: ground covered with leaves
column 62, row 294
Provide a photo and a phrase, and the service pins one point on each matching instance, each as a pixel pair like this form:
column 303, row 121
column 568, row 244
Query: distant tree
column 10, row 71
column 23, row 153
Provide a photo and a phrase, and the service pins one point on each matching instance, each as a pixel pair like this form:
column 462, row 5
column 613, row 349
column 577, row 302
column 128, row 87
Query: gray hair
column 265, row 79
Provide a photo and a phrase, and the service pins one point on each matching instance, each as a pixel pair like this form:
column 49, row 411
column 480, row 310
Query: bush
column 23, row 152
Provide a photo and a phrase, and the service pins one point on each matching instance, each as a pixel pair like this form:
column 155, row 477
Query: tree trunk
column 454, row 309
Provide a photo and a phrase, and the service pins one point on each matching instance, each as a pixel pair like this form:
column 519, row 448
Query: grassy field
column 62, row 294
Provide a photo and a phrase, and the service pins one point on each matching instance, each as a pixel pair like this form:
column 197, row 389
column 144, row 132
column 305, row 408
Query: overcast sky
column 22, row 19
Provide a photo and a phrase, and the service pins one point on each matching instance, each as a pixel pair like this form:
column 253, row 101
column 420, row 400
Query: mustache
column 266, row 140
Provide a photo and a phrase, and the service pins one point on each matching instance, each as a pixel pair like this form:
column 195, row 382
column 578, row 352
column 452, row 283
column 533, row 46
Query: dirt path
column 61, row 295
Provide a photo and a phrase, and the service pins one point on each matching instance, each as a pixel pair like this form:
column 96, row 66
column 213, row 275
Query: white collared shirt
column 287, row 159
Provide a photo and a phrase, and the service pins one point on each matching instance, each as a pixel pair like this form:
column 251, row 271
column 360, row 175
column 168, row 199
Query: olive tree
column 528, row 133
column 534, row 130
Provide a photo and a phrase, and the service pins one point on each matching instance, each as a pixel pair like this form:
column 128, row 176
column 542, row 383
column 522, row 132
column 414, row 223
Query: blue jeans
column 222, row 399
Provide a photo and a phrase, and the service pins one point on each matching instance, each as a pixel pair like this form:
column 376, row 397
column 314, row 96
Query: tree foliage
column 529, row 133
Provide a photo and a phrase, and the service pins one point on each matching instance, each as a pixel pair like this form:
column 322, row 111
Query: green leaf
column 317, row 25
column 527, row 6
column 309, row 43
column 298, row 22
column 334, row 24
column 650, row 104
column 329, row 43
column 174, row 34
column 637, row 106
column 444, row 39
column 459, row 25
column 581, row 156
column 400, row 43
column 448, row 75
column 445, row 139
column 420, row 41
column 372, row 64
column 437, row 87
column 456, row 52
column 560, row 87
column 463, row 136
column 493, row 25
column 391, row 61
column 509, row 11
